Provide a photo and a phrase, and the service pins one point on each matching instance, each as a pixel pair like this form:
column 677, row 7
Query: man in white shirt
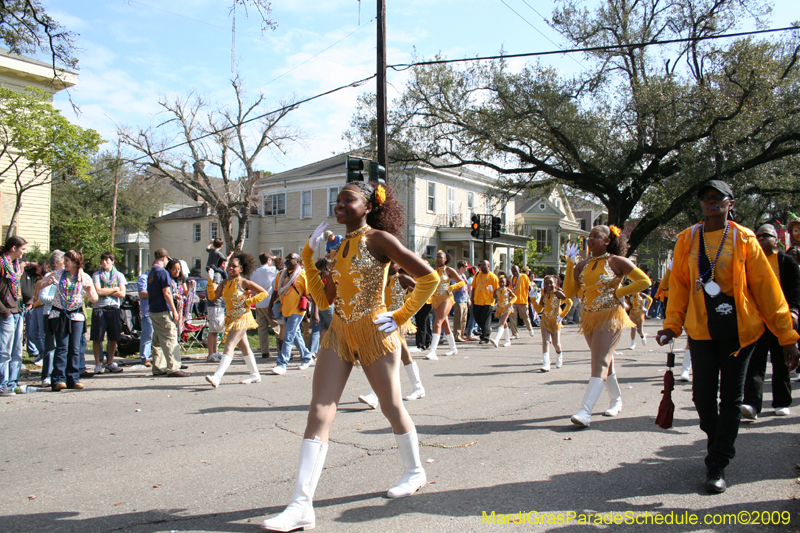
column 264, row 276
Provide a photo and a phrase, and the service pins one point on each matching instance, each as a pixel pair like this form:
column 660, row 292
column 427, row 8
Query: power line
column 537, row 29
column 405, row 66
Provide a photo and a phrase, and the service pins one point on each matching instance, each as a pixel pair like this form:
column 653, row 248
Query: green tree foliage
column 81, row 208
column 38, row 143
column 641, row 128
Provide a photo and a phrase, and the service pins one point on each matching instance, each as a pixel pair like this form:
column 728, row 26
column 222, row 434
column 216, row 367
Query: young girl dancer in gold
column 596, row 281
column 442, row 302
column 505, row 306
column 362, row 332
column 551, row 316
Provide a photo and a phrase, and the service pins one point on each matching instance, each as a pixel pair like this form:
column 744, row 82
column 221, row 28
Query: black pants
column 483, row 317
column 423, row 336
column 757, row 370
column 717, row 371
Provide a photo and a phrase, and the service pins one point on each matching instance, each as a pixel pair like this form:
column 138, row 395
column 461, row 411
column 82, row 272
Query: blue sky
column 133, row 53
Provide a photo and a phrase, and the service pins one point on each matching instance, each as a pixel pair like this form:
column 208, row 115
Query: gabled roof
column 187, row 213
column 335, row 166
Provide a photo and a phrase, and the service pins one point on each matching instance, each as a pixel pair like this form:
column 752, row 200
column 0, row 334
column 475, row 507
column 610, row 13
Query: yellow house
column 18, row 72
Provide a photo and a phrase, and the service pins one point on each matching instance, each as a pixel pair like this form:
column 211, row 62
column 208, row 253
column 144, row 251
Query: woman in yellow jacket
column 362, row 332
column 596, row 281
column 722, row 291
column 549, row 309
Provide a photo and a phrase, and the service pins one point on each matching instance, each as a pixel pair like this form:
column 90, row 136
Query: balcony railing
column 452, row 221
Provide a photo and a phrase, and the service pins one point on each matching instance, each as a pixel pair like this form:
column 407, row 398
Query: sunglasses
column 765, row 235
column 713, row 197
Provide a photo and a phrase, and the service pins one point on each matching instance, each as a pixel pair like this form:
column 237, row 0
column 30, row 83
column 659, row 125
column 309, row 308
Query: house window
column 471, row 203
column 541, row 239
column 247, row 230
column 212, row 229
column 196, row 264
column 333, row 195
column 431, row 197
column 305, row 204
column 276, row 252
column 451, row 203
column 197, row 233
column 430, row 251
column 275, row 204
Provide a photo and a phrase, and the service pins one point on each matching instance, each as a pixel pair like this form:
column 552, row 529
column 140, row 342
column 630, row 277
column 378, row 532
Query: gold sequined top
column 444, row 282
column 360, row 279
column 395, row 295
column 598, row 285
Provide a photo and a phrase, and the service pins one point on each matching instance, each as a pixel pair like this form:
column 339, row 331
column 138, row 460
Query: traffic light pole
column 381, row 86
column 487, row 219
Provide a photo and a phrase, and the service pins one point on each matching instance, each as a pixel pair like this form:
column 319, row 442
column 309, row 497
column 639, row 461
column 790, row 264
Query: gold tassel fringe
column 610, row 319
column 360, row 342
column 637, row 316
column 246, row 321
column 550, row 324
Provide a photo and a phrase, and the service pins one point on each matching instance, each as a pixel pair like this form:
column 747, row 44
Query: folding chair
column 195, row 333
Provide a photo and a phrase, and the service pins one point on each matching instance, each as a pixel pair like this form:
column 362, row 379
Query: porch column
column 472, row 252
column 491, row 256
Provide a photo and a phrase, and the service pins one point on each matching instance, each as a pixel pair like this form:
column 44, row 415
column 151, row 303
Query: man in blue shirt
column 165, row 319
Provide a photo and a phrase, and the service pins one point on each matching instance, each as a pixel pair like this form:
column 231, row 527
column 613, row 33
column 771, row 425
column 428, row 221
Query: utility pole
column 381, row 87
column 117, row 164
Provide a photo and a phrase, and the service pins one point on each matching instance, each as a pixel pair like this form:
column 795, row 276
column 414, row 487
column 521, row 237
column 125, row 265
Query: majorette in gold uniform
column 444, row 291
column 598, row 293
column 505, row 299
column 237, row 305
column 550, row 310
column 638, row 307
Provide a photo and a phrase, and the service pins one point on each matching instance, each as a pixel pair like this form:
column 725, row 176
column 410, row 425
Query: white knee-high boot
column 545, row 362
column 300, row 512
column 559, row 360
column 612, row 386
column 451, row 342
column 496, row 340
column 687, row 365
column 434, row 343
column 508, row 338
column 593, row 391
column 255, row 376
column 224, row 363
column 413, row 376
column 413, row 477
column 370, row 399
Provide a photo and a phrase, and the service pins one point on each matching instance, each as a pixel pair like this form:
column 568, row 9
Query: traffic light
column 354, row 166
column 377, row 173
column 476, row 226
column 496, row 223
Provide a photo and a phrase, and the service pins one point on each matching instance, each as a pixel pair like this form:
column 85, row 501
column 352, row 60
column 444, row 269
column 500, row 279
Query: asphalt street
column 139, row 454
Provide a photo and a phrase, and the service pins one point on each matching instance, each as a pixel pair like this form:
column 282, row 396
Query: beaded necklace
column 711, row 286
column 363, row 229
column 70, row 293
column 12, row 271
column 108, row 278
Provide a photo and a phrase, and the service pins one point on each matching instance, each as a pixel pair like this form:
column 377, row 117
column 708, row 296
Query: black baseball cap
column 719, row 185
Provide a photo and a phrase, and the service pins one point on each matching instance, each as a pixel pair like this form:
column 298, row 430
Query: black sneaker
column 715, row 480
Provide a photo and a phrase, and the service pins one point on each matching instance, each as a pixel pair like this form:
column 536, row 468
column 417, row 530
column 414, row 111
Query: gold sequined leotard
column 505, row 299
column 550, row 310
column 601, row 307
column 638, row 307
column 360, row 282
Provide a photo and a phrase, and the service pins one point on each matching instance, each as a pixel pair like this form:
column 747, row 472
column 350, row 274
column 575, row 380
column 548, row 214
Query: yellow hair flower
column 614, row 230
column 380, row 194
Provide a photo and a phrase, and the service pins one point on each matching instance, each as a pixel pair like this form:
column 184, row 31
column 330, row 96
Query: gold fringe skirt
column 438, row 299
column 551, row 324
column 500, row 311
column 637, row 316
column 360, row 342
column 246, row 321
column 610, row 319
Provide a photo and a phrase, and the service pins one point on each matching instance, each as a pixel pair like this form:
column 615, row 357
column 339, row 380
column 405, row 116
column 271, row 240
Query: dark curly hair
column 390, row 215
column 246, row 261
column 618, row 245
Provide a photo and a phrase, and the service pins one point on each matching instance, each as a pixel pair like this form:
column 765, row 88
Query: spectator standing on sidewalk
column 45, row 294
column 106, row 320
column 165, row 318
column 215, row 310
column 264, row 276
column 31, row 273
column 146, row 338
column 291, row 287
column 461, row 306
column 11, row 320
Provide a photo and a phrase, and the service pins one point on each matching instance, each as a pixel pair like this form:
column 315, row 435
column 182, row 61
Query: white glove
column 210, row 274
column 490, row 288
column 559, row 320
column 573, row 252
column 316, row 237
column 624, row 303
column 669, row 264
column 385, row 322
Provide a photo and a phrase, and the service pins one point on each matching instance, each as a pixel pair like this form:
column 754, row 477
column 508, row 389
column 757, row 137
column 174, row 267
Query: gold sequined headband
column 380, row 195
column 357, row 193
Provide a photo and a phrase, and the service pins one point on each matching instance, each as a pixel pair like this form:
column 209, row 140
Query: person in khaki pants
column 461, row 307
column 520, row 284
column 164, row 316
column 264, row 276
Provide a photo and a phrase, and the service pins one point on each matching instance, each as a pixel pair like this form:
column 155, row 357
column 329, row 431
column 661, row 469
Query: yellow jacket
column 758, row 295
